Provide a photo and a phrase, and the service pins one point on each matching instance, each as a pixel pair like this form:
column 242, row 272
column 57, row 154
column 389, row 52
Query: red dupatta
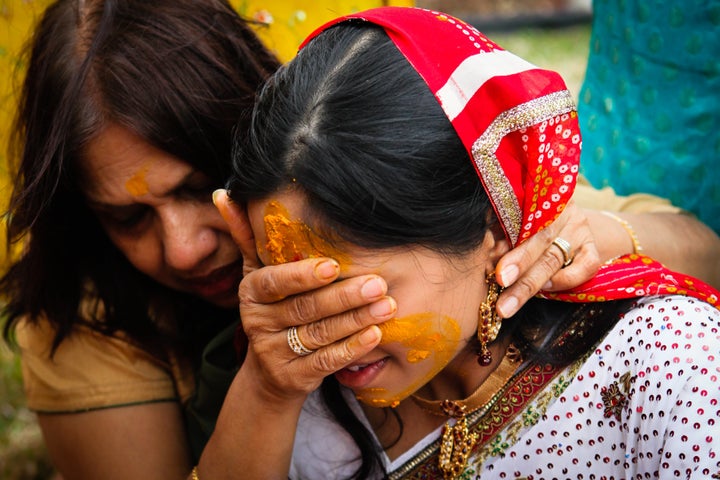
column 519, row 125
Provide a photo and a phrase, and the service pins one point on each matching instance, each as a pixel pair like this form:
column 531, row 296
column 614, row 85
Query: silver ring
column 295, row 344
column 564, row 247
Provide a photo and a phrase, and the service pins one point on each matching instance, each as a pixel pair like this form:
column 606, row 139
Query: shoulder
column 667, row 326
column 671, row 318
column 668, row 341
column 89, row 370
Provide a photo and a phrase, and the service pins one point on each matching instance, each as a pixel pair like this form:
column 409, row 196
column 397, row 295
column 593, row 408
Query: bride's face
column 437, row 297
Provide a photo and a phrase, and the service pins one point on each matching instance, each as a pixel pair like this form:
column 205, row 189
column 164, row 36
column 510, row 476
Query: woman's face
column 158, row 211
column 437, row 298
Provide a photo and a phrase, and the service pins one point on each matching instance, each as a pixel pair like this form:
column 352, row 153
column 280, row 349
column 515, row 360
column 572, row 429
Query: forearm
column 679, row 241
column 253, row 437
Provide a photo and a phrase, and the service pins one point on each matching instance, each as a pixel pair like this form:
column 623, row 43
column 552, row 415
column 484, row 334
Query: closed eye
column 123, row 217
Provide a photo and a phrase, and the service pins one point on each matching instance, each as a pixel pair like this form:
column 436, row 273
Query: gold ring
column 295, row 344
column 564, row 247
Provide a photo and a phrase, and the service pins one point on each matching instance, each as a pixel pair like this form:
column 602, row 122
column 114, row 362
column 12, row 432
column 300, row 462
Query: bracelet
column 194, row 474
column 637, row 248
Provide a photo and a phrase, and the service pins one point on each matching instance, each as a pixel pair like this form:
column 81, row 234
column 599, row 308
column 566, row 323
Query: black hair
column 178, row 74
column 352, row 126
column 343, row 141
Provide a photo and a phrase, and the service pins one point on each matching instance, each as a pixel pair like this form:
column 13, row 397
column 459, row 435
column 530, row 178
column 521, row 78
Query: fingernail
column 508, row 307
column 373, row 288
column 548, row 285
column 369, row 336
column 508, row 275
column 383, row 308
column 216, row 194
column 326, row 269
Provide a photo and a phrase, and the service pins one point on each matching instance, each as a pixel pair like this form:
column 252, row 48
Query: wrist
column 629, row 230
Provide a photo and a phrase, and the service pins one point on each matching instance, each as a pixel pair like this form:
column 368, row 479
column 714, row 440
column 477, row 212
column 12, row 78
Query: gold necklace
column 457, row 440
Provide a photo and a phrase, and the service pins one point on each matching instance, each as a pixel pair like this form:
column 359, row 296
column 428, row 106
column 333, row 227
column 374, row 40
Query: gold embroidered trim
column 484, row 148
column 530, row 416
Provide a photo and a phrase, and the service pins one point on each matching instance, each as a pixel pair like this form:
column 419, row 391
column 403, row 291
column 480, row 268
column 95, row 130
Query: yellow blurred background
column 283, row 25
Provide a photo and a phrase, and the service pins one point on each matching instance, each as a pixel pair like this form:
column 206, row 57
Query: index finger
column 518, row 261
column 273, row 283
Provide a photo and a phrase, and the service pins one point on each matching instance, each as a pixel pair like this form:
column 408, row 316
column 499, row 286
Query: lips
column 219, row 284
column 360, row 375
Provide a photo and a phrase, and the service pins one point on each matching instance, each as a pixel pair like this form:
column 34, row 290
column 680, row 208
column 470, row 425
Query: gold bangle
column 194, row 474
column 637, row 248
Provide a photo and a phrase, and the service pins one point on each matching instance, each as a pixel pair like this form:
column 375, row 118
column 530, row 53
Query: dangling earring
column 489, row 322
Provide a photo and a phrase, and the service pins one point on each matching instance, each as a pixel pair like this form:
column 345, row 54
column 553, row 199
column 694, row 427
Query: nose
column 188, row 237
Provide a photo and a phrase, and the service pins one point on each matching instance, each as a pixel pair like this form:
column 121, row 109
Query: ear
column 495, row 245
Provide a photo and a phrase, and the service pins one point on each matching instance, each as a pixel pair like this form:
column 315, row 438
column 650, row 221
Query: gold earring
column 489, row 322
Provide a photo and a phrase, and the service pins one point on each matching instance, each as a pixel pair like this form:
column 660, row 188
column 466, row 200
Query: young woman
column 405, row 144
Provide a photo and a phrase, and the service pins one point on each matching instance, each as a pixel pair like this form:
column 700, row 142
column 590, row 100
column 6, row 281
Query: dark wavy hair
column 353, row 127
column 177, row 73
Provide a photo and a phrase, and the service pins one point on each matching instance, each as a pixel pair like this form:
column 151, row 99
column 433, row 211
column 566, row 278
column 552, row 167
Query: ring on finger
column 564, row 247
column 295, row 344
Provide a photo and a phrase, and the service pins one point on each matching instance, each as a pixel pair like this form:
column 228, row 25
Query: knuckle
column 346, row 353
column 531, row 283
column 303, row 308
column 344, row 296
column 590, row 260
column 526, row 287
column 260, row 284
column 245, row 291
column 268, row 284
column 582, row 269
column 357, row 319
column 324, row 361
column 552, row 261
column 547, row 235
column 245, row 300
column 316, row 334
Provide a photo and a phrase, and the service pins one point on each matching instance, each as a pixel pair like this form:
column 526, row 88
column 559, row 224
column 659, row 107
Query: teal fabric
column 217, row 369
column 649, row 107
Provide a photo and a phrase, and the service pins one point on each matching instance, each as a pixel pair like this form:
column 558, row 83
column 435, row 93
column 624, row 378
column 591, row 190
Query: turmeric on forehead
column 292, row 240
column 137, row 185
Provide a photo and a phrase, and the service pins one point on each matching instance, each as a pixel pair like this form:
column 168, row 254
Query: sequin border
column 486, row 422
column 484, row 148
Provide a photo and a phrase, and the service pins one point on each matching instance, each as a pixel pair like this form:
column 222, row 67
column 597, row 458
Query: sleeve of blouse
column 689, row 375
column 89, row 371
column 606, row 198
column 692, row 443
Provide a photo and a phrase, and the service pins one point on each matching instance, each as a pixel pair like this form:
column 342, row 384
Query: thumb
column 239, row 224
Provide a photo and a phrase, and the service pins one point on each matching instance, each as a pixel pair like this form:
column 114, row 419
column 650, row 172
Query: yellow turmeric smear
column 428, row 336
column 292, row 240
column 137, row 184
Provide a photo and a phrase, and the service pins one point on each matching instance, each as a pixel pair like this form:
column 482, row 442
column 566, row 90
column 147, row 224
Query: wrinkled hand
column 537, row 264
column 335, row 319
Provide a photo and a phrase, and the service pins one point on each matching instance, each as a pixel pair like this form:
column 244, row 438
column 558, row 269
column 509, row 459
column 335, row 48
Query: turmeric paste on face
column 137, row 184
column 292, row 240
column 427, row 337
